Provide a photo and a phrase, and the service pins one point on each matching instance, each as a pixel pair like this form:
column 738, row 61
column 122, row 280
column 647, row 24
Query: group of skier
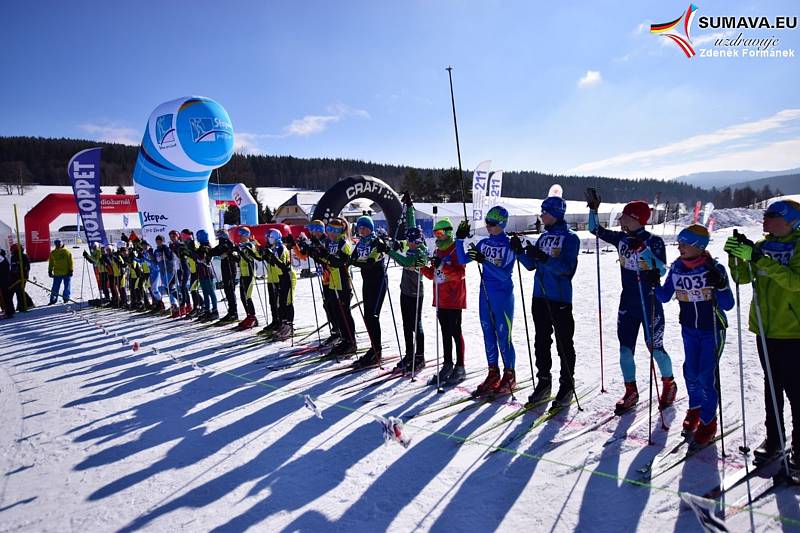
column 182, row 268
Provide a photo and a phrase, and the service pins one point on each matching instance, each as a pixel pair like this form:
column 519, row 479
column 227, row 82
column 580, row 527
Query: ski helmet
column 637, row 210
column 555, row 206
column 159, row 238
column 444, row 225
column 365, row 222
column 695, row 235
column 186, row 234
column 274, row 236
column 202, row 236
column 497, row 216
column 316, row 225
column 414, row 235
column 244, row 231
column 788, row 210
column 173, row 233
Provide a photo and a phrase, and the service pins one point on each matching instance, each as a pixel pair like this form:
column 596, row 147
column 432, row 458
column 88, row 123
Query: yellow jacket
column 60, row 262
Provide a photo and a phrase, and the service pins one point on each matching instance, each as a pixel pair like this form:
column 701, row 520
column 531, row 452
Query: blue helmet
column 695, row 235
column 244, row 231
column 365, row 222
column 414, row 235
column 274, row 236
column 788, row 210
column 202, row 236
column 497, row 216
column 555, row 206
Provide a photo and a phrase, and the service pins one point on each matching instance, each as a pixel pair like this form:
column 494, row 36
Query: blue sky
column 560, row 87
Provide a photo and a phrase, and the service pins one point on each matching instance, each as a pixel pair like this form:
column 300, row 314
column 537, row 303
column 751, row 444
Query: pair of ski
column 771, row 468
column 671, row 457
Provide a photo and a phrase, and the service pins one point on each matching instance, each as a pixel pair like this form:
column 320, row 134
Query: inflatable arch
column 348, row 189
column 184, row 141
column 38, row 219
column 238, row 194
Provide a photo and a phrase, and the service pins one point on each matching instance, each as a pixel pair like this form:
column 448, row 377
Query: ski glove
column 397, row 246
column 86, row 255
column 50, row 273
column 515, row 243
column 592, row 199
column 69, row 274
column 420, row 261
column 730, row 244
column 381, row 245
column 747, row 251
column 715, row 277
column 436, row 261
column 476, row 255
column 288, row 241
column 463, row 230
column 536, row 253
column 651, row 276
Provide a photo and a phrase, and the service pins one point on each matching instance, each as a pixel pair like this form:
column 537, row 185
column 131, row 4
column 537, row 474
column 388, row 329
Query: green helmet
column 445, row 225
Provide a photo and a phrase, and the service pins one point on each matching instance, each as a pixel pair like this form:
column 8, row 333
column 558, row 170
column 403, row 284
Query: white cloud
column 246, row 143
column 643, row 161
column 313, row 124
column 110, row 133
column 591, row 78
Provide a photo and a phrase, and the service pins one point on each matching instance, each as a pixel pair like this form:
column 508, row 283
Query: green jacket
column 777, row 284
column 60, row 262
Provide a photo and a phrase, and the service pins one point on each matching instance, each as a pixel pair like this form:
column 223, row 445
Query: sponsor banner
column 493, row 190
column 84, row 174
column 480, row 183
column 707, row 210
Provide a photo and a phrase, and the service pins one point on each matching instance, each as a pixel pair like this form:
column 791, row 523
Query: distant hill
column 42, row 161
column 732, row 178
column 787, row 184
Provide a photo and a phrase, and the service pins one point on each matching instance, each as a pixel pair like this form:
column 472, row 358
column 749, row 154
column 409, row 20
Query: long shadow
column 270, row 459
column 697, row 476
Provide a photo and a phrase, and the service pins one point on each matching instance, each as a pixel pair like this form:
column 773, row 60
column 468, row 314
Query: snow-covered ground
column 195, row 430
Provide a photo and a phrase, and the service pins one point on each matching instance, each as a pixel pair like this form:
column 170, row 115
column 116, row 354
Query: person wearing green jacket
column 59, row 267
column 773, row 265
column 411, row 254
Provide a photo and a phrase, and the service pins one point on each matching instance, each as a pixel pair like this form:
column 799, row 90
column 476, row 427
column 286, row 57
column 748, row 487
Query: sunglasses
column 316, row 228
column 772, row 214
column 334, row 229
column 491, row 223
column 439, row 233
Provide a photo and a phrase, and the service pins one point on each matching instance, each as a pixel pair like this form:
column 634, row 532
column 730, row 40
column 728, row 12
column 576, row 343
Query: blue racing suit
column 703, row 326
column 637, row 308
column 166, row 262
column 496, row 301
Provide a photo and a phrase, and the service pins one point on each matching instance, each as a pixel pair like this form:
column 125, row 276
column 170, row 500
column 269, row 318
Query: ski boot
column 691, row 421
column 404, row 365
column 283, row 332
column 490, row 384
column 229, row 319
column 456, row 376
column 541, row 392
column 249, row 321
column 443, row 375
column 668, row 392
column 369, row 360
column 344, row 350
column 563, row 396
column 334, row 339
column 768, row 449
column 175, row 312
column 794, row 467
column 418, row 364
column 705, row 432
column 629, row 399
column 508, row 383
column 270, row 328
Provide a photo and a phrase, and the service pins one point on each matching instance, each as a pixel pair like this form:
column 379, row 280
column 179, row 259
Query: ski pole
column 439, row 389
column 391, row 309
column 744, row 449
column 458, row 147
column 266, row 293
column 652, row 342
column 525, row 317
column 416, row 328
column 763, row 337
column 83, row 278
column 599, row 312
column 719, row 347
column 314, row 300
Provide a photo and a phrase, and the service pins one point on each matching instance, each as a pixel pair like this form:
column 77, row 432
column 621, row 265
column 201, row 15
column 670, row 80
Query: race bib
column 495, row 254
column 692, row 287
column 628, row 258
column 438, row 276
column 781, row 252
column 551, row 244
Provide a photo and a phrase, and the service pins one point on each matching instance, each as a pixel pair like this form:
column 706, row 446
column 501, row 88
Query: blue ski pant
column 702, row 351
column 57, row 281
column 168, row 282
column 629, row 320
column 497, row 315
column 209, row 294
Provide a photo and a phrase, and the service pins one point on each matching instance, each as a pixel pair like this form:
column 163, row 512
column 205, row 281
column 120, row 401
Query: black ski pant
column 373, row 294
column 344, row 318
column 412, row 312
column 329, row 303
column 229, row 288
column 246, row 286
column 273, row 294
column 550, row 317
column 784, row 361
column 194, row 289
column 183, row 287
column 104, row 285
column 450, row 323
column 285, row 300
column 5, row 301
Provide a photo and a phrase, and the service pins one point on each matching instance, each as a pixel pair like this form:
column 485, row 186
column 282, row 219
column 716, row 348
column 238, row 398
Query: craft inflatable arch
column 184, row 141
column 348, row 189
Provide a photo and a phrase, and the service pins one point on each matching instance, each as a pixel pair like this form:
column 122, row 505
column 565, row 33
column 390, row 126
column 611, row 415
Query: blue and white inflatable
column 185, row 140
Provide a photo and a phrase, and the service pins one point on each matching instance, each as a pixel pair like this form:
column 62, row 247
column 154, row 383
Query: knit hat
column 637, row 210
column 788, row 210
column 202, row 236
column 57, row 243
column 414, row 235
column 497, row 215
column 365, row 222
column 695, row 235
column 555, row 206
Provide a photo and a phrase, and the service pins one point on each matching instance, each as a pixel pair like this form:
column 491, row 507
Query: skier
column 337, row 259
column 120, row 272
column 20, row 263
column 313, row 247
column 554, row 257
column 5, row 280
column 775, row 263
column 281, row 282
column 205, row 277
column 449, row 299
column 193, row 284
column 247, row 281
column 165, row 260
column 229, row 260
column 411, row 254
column 642, row 258
column 701, row 287
column 182, row 271
column 59, row 267
column 370, row 261
column 496, row 300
